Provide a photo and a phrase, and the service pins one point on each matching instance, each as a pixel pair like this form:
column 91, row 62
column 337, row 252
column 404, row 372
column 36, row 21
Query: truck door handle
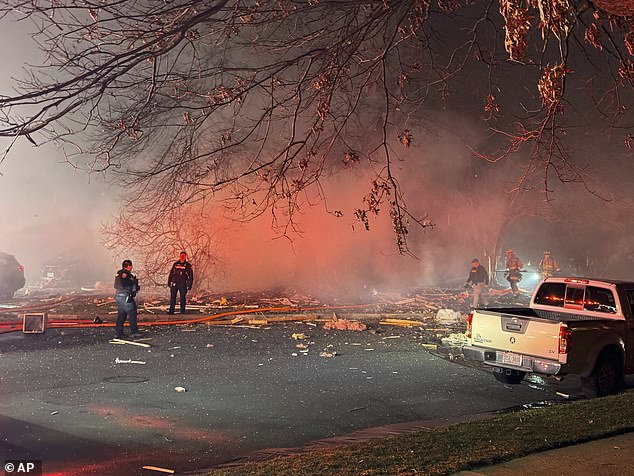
column 513, row 327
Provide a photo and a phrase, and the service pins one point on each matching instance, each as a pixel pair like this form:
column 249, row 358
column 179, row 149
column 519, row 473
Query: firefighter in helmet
column 548, row 266
column 513, row 267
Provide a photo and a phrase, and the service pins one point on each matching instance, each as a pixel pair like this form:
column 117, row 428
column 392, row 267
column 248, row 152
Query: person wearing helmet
column 126, row 285
column 180, row 281
column 548, row 266
column 478, row 279
column 513, row 267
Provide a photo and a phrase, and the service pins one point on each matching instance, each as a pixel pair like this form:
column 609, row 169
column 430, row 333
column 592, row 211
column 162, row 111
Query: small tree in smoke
column 156, row 244
column 180, row 99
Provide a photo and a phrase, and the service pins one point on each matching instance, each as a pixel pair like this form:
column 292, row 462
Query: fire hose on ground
column 6, row 327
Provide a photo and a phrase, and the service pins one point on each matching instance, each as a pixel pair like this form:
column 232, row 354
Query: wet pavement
column 65, row 399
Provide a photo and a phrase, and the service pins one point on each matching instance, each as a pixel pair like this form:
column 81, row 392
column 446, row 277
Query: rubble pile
column 344, row 324
column 425, row 299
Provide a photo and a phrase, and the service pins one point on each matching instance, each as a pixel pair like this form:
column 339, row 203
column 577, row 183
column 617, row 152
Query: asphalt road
column 65, row 400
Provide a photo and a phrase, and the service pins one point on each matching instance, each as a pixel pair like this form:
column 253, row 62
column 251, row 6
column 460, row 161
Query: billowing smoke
column 337, row 256
column 50, row 212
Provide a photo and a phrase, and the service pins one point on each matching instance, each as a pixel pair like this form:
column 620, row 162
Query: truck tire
column 508, row 376
column 606, row 378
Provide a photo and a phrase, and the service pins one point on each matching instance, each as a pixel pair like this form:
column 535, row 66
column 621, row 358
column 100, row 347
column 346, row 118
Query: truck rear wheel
column 508, row 376
column 606, row 378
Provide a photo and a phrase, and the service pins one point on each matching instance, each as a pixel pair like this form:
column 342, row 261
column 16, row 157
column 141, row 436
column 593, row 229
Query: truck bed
column 539, row 314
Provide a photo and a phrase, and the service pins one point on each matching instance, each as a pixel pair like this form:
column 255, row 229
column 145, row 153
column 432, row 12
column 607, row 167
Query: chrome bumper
column 496, row 358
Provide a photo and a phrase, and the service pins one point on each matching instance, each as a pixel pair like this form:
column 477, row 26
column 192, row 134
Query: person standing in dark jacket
column 479, row 280
column 180, row 280
column 126, row 285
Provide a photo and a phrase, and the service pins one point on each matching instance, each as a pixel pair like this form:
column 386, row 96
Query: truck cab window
column 551, row 294
column 600, row 300
column 574, row 297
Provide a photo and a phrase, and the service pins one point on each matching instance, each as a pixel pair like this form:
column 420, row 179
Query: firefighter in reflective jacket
column 180, row 281
column 513, row 267
column 548, row 266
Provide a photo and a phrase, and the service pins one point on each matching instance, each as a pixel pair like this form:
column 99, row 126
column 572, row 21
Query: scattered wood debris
column 344, row 324
column 123, row 341
column 401, row 322
column 258, row 322
column 160, row 470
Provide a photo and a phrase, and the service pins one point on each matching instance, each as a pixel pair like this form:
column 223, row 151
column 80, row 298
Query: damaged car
column 59, row 273
column 11, row 276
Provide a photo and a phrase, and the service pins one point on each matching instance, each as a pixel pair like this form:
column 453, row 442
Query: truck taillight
column 469, row 325
column 565, row 336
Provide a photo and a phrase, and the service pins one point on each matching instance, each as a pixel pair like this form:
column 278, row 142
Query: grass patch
column 459, row 447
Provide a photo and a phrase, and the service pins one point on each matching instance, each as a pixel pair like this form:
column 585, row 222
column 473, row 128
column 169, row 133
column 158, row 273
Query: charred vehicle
column 59, row 273
column 11, row 276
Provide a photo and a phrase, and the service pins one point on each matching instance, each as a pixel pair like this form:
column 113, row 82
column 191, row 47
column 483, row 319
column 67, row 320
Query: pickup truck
column 573, row 326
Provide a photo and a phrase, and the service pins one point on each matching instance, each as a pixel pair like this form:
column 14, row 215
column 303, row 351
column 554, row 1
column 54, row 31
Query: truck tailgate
column 521, row 335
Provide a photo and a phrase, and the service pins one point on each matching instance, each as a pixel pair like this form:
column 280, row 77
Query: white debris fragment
column 180, row 389
column 447, row 316
column 454, row 339
column 128, row 361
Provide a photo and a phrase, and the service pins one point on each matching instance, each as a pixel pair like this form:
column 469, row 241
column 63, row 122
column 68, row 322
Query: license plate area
column 512, row 359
